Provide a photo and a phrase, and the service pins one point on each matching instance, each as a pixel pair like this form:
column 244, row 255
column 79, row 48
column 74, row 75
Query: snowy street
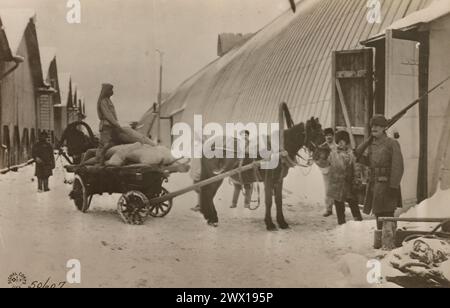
column 38, row 237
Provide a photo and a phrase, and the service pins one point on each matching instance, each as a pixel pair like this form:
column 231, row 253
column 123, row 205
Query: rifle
column 359, row 152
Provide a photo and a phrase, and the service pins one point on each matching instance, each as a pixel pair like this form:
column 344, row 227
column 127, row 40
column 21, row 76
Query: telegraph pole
column 158, row 120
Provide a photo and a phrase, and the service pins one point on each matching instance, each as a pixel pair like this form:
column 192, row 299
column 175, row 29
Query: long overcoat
column 385, row 160
column 44, row 151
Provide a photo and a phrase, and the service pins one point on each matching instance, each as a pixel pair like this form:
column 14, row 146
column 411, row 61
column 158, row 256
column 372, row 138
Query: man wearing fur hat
column 385, row 160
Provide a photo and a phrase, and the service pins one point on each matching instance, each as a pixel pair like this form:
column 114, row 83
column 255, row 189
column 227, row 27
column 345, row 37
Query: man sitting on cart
column 109, row 124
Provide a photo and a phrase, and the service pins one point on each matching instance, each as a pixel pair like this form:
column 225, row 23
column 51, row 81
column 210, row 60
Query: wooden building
column 22, row 85
column 322, row 62
column 412, row 56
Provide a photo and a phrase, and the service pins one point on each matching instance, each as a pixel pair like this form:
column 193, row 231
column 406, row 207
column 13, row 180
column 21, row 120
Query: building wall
column 18, row 97
column 439, row 106
column 45, row 115
column 402, row 88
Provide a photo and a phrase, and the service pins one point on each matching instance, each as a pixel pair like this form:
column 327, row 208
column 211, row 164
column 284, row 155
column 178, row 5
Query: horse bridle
column 309, row 161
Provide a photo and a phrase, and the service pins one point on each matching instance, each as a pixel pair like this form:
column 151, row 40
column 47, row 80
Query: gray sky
column 116, row 42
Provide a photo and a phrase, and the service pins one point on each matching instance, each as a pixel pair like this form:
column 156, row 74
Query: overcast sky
column 116, row 42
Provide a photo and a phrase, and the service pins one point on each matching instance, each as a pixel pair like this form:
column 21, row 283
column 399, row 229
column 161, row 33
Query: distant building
column 61, row 110
column 47, row 101
column 22, row 85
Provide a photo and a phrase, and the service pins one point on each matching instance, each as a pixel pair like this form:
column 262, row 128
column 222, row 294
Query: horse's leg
column 208, row 192
column 212, row 217
column 268, row 190
column 278, row 189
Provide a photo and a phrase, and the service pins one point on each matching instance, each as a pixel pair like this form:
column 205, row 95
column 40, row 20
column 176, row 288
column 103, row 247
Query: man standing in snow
column 385, row 160
column 109, row 124
column 42, row 153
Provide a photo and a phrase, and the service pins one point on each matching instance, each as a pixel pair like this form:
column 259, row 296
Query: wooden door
column 353, row 92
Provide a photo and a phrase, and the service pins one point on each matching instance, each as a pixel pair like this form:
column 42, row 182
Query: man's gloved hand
column 61, row 151
column 38, row 160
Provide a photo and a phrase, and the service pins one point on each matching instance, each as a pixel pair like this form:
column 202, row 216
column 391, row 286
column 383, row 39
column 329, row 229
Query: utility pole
column 158, row 120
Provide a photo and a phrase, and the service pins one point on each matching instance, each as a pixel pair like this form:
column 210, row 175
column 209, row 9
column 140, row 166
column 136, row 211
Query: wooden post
column 281, row 124
column 424, row 51
column 388, row 235
column 345, row 113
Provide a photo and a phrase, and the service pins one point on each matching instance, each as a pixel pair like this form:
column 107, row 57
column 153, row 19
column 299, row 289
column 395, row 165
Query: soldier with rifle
column 384, row 158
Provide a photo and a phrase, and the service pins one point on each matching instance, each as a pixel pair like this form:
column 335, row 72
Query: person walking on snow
column 42, row 153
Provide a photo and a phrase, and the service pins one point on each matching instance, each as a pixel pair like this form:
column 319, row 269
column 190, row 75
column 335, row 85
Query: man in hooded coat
column 109, row 124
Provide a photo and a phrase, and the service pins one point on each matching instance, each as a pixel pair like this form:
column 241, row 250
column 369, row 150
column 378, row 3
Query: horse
column 301, row 136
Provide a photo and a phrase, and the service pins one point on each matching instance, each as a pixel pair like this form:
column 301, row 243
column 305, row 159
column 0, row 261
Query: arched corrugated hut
column 288, row 60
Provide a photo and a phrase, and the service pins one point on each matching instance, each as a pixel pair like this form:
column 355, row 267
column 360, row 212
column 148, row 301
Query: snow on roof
column 436, row 10
column 15, row 21
column 48, row 54
column 64, row 87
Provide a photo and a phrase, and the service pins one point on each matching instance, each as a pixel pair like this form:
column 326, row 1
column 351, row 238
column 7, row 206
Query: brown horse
column 297, row 137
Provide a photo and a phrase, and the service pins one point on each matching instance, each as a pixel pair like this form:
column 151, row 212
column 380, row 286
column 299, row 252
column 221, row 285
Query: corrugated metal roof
column 15, row 22
column 288, row 60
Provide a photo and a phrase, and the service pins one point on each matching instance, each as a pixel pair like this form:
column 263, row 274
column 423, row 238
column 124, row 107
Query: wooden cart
column 141, row 187
column 137, row 184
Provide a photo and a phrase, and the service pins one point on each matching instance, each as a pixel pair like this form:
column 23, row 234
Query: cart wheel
column 79, row 195
column 161, row 209
column 133, row 207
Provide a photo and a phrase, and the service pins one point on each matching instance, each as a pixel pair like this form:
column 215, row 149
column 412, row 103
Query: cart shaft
column 204, row 183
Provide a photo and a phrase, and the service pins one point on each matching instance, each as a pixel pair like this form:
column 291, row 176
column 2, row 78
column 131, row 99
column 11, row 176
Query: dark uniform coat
column 44, row 151
column 385, row 160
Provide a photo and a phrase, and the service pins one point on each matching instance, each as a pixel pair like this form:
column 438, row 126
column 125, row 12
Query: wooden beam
column 355, row 130
column 393, row 219
column 345, row 113
column 410, row 35
column 422, row 181
column 333, row 93
column 204, row 183
column 351, row 74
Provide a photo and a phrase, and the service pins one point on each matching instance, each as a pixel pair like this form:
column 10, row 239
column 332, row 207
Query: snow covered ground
column 39, row 233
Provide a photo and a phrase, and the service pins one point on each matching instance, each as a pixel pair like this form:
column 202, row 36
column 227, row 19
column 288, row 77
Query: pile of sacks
column 138, row 153
column 136, row 149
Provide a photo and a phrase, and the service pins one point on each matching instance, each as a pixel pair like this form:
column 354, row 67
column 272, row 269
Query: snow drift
column 437, row 206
